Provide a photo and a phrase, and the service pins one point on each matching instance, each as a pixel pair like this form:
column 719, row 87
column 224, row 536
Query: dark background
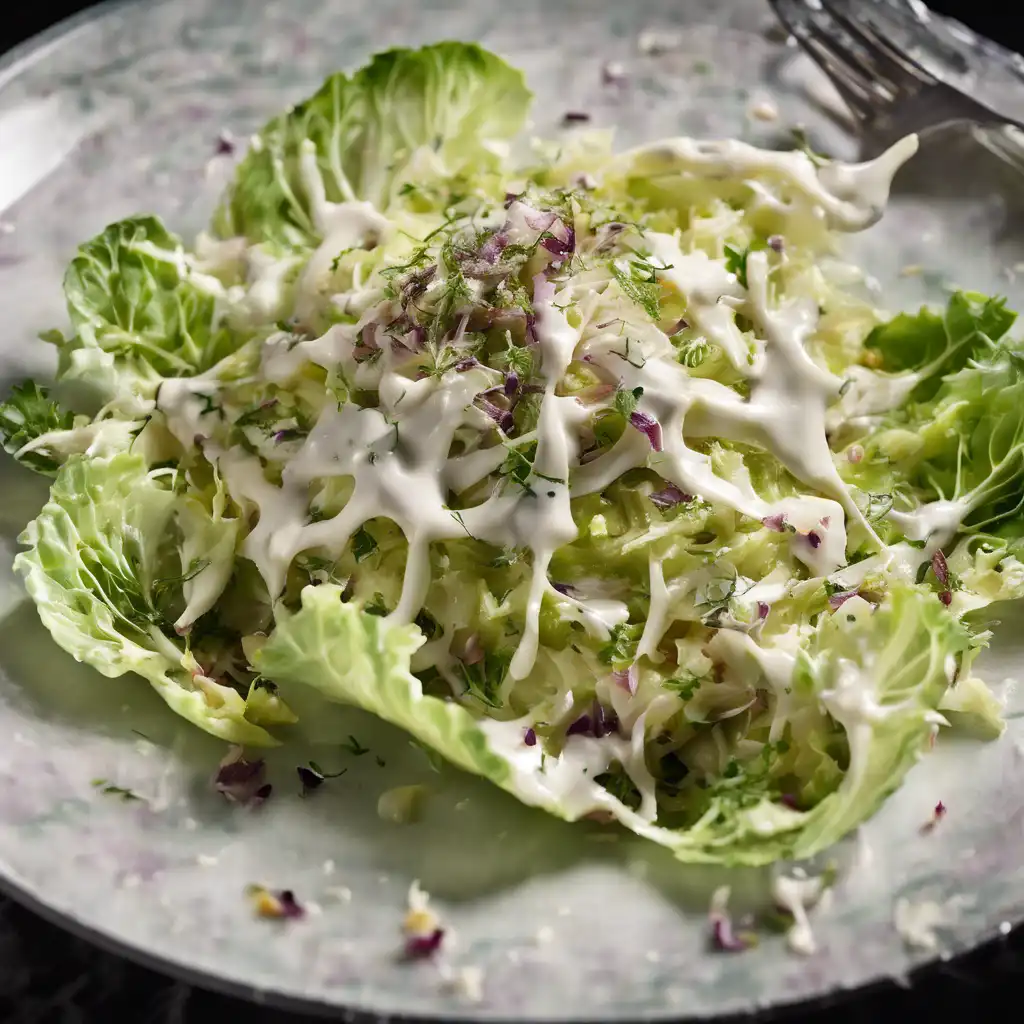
column 50, row 977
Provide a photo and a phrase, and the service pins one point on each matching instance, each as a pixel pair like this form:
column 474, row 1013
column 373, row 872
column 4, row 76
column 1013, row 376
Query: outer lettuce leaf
column 138, row 312
column 963, row 445
column 95, row 571
column 902, row 657
column 927, row 342
column 972, row 708
column 901, row 653
column 357, row 658
column 406, row 116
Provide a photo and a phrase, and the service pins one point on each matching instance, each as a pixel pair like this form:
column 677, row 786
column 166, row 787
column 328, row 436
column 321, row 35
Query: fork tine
column 900, row 70
column 861, row 93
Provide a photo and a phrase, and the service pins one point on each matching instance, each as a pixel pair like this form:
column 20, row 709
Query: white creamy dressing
column 798, row 895
column 398, row 456
column 918, row 922
column 346, row 225
column 565, row 785
column 657, row 613
column 852, row 196
column 547, row 519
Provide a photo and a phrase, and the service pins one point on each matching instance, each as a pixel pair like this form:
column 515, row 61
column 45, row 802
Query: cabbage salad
column 592, row 471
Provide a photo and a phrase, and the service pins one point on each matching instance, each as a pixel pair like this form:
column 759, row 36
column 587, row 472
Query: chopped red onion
column 531, row 329
column 627, row 678
column 511, row 383
column 530, row 738
column 289, row 904
column 650, row 426
column 500, row 416
column 420, row 947
column 466, row 364
column 776, row 243
column 776, row 522
column 946, row 597
column 855, row 453
column 814, row 540
column 595, row 393
column 561, row 247
column 940, row 568
column 724, row 939
column 937, row 815
column 541, row 220
column 241, row 781
column 837, row 600
column 825, row 521
column 669, row 497
column 493, row 247
column 543, row 289
column 511, row 197
column 763, row 608
column 581, row 727
column 472, row 651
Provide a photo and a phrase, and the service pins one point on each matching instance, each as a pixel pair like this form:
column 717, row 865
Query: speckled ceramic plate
column 120, row 112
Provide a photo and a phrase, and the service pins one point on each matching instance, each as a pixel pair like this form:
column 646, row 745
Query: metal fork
column 888, row 92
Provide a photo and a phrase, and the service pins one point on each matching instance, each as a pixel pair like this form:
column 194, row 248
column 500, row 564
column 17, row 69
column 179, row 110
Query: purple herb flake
column 581, row 727
column 493, row 247
column 530, row 738
column 627, row 679
column 241, row 781
column 836, row 601
column 650, row 426
column 813, row 539
column 668, row 497
column 511, row 383
column 420, row 947
column 289, row 904
column 724, row 939
column 561, row 247
column 940, row 568
column 575, row 117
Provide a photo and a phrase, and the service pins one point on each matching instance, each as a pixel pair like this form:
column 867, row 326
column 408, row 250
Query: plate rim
column 12, row 62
